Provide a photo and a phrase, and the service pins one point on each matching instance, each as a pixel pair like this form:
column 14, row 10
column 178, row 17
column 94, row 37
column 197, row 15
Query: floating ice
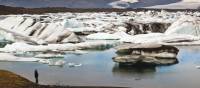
column 102, row 36
column 187, row 25
column 198, row 67
column 74, row 65
column 159, row 38
column 57, row 63
column 49, row 56
column 10, row 57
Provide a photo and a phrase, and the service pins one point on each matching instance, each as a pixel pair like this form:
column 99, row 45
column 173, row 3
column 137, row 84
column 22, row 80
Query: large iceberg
column 108, row 36
column 27, row 28
column 10, row 57
column 188, row 25
column 159, row 38
column 186, row 29
column 24, row 47
column 103, row 36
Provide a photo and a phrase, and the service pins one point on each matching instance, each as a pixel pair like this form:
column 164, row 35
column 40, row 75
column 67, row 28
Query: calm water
column 98, row 69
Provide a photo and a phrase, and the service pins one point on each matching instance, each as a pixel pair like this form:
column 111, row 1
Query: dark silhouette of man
column 36, row 76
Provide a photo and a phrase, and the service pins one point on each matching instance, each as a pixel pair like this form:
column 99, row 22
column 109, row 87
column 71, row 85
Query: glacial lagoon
column 98, row 69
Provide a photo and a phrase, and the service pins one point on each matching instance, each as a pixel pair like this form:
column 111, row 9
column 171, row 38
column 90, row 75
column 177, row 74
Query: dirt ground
column 12, row 80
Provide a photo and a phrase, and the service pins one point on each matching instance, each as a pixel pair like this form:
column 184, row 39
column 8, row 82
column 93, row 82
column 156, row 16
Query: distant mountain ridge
column 88, row 3
column 5, row 10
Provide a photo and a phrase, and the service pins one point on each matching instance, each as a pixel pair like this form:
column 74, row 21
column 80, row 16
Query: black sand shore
column 11, row 80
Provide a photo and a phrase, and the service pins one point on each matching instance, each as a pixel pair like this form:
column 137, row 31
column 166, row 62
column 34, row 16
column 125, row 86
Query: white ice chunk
column 57, row 63
column 102, row 36
column 74, row 65
column 10, row 57
column 23, row 47
column 159, row 38
column 49, row 56
column 187, row 25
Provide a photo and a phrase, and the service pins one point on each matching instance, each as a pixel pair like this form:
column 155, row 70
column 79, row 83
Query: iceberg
column 108, row 36
column 24, row 47
column 159, row 38
column 29, row 30
column 57, row 62
column 187, row 25
column 10, row 57
column 146, row 54
column 102, row 36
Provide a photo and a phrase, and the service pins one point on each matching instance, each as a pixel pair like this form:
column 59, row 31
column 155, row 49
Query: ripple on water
column 99, row 69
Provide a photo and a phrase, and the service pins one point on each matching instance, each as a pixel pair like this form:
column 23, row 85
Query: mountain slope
column 171, row 4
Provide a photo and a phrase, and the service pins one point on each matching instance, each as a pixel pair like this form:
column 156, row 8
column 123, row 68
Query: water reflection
column 134, row 72
column 99, row 69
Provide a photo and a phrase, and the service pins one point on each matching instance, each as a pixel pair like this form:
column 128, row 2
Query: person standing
column 36, row 76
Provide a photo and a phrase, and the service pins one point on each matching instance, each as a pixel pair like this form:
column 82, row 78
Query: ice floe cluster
column 62, row 32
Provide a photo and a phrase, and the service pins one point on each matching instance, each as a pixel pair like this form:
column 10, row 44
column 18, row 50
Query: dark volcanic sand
column 11, row 80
